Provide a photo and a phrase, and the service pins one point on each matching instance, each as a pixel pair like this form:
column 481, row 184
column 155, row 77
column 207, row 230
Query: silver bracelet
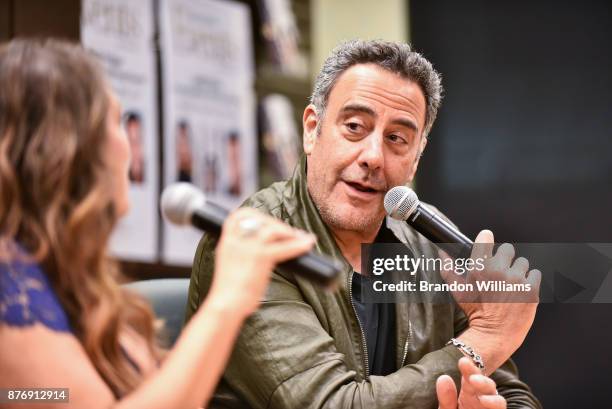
column 477, row 359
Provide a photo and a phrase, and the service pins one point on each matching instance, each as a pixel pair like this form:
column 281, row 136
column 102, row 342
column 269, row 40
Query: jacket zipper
column 363, row 338
column 409, row 336
column 408, row 339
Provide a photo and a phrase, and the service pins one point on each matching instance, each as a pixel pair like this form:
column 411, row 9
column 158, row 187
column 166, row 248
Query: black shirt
column 377, row 320
column 378, row 323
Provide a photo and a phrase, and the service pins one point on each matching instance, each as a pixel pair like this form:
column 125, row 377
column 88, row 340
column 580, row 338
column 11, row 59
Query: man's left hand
column 477, row 391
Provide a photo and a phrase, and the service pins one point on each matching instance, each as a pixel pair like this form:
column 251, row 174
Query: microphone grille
column 400, row 202
column 179, row 201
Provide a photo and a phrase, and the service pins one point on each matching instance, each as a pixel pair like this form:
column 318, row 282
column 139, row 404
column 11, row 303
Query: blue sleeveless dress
column 27, row 297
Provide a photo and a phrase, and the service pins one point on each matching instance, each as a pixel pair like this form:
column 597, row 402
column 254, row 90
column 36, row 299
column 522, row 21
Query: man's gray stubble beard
column 336, row 221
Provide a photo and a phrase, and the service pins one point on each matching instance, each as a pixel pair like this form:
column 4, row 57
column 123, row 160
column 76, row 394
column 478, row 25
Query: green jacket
column 304, row 347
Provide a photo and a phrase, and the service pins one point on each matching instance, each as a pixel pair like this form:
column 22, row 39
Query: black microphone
column 402, row 203
column 184, row 204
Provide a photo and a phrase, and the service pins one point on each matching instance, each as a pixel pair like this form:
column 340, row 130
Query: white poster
column 121, row 34
column 209, row 107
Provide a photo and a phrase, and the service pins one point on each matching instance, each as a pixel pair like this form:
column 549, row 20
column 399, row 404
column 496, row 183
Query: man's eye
column 396, row 138
column 353, row 126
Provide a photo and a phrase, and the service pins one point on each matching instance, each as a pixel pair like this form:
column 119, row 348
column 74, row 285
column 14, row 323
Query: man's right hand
column 497, row 322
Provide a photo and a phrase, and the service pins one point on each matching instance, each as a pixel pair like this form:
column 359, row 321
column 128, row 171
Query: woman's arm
column 192, row 369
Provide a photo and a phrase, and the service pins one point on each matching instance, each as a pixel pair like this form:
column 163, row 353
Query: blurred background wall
column 39, row 18
column 522, row 144
column 339, row 20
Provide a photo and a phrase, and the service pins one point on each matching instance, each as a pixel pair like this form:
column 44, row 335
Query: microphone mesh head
column 400, row 202
column 179, row 201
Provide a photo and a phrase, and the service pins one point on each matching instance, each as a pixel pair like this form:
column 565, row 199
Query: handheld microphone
column 401, row 203
column 184, row 204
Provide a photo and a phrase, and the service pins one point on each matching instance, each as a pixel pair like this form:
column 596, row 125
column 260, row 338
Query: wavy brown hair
column 56, row 198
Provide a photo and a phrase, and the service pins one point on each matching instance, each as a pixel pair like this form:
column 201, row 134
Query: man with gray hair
column 373, row 104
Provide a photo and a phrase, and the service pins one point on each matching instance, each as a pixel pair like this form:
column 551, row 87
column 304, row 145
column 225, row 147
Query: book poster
column 121, row 34
column 209, row 111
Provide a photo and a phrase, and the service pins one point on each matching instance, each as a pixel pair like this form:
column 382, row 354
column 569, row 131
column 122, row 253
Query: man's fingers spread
column 505, row 255
column 447, row 392
column 483, row 384
column 521, row 264
column 534, row 277
column 485, row 236
column 483, row 245
column 492, row 401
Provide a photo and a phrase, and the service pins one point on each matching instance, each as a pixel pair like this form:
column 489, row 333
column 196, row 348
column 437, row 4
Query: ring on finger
column 248, row 227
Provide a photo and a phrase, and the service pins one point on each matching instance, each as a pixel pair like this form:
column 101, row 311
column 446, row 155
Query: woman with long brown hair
column 64, row 320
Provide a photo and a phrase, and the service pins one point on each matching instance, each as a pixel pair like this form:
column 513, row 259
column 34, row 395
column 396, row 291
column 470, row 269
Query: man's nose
column 371, row 155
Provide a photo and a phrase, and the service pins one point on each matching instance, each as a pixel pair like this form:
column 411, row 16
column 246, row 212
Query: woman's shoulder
column 26, row 295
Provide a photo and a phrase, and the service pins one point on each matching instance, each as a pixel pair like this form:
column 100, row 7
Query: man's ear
column 415, row 165
column 310, row 123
